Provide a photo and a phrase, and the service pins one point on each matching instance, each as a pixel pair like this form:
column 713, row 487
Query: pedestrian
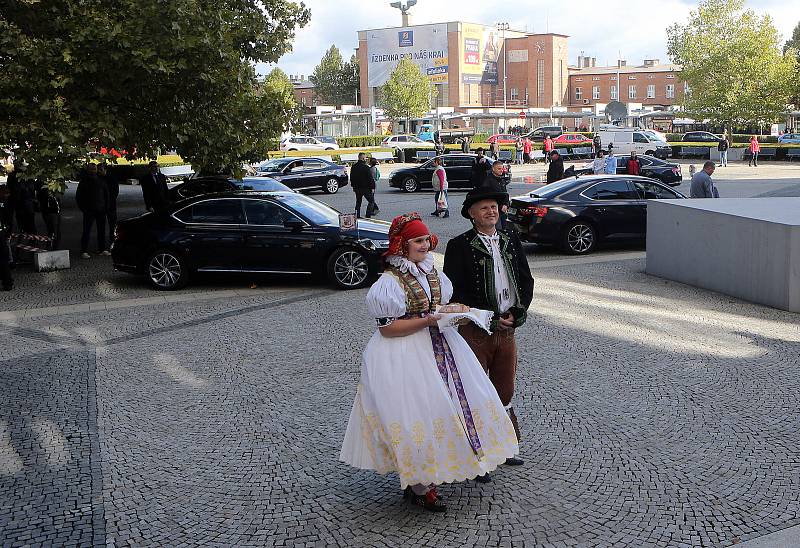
column 755, row 148
column 722, row 148
column 518, row 148
column 92, row 199
column 439, row 146
column 489, row 271
column 494, row 148
column 597, row 145
column 363, row 185
column 5, row 231
column 465, row 145
column 527, row 148
column 702, row 185
column 599, row 163
column 376, row 176
column 633, row 164
column 423, row 408
column 495, row 181
column 611, row 162
column 112, row 183
column 50, row 208
column 547, row 146
column 154, row 188
column 480, row 167
column 555, row 172
column 439, row 183
column 22, row 196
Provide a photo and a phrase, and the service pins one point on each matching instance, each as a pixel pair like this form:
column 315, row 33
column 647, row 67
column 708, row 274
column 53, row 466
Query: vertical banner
column 480, row 49
column 424, row 45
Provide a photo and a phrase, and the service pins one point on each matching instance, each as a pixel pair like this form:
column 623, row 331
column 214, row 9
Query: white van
column 626, row 140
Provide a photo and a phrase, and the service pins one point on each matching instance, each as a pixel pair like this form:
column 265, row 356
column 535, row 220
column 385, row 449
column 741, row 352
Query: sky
column 602, row 29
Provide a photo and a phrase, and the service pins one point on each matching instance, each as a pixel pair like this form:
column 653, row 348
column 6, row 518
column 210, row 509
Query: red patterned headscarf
column 407, row 227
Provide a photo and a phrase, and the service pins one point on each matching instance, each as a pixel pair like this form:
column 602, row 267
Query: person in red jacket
column 634, row 165
column 755, row 148
column 527, row 147
column 548, row 148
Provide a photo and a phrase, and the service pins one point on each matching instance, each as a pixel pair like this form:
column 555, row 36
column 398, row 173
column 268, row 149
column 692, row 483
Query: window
column 539, row 79
column 686, row 88
column 457, row 161
column 578, row 94
column 632, row 77
column 614, row 93
column 579, row 79
column 514, row 94
column 651, row 91
column 652, row 191
column 632, row 92
column 670, row 76
column 218, row 212
column 595, row 92
column 309, row 165
column 639, row 138
column 611, row 190
column 260, row 212
column 595, row 78
column 670, row 91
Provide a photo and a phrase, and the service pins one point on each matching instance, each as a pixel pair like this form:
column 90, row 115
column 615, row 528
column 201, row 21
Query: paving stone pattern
column 653, row 414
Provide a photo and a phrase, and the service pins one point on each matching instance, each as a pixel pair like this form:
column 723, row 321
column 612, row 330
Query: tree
column 732, row 61
column 793, row 44
column 172, row 75
column 335, row 82
column 407, row 93
column 278, row 84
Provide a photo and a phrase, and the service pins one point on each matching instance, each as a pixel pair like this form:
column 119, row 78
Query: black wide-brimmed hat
column 482, row 193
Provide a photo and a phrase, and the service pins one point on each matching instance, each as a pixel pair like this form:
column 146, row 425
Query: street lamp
column 404, row 9
column 504, row 27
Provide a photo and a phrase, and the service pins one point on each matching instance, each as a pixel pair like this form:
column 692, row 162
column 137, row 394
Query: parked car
column 572, row 139
column 666, row 172
column 700, row 137
column 579, row 214
column 306, row 142
column 502, row 138
column 539, row 133
column 655, row 135
column 305, row 173
column 405, row 141
column 457, row 166
column 789, row 138
column 326, row 139
column 252, row 232
column 627, row 140
column 221, row 183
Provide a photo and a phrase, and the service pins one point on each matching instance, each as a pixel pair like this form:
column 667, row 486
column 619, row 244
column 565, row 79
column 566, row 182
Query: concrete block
column 747, row 248
column 45, row 261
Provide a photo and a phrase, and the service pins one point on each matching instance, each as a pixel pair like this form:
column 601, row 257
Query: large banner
column 424, row 45
column 480, row 49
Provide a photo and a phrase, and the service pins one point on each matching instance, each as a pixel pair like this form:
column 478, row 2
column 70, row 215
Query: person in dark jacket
column 722, row 148
column 154, row 188
column 597, row 145
column 92, row 199
column 5, row 229
column 363, row 184
column 112, row 183
column 489, row 270
column 50, row 208
column 495, row 182
column 556, row 170
column 480, row 167
column 22, row 197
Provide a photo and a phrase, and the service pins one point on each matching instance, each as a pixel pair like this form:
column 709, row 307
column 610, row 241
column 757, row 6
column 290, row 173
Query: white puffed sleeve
column 386, row 300
column 447, row 287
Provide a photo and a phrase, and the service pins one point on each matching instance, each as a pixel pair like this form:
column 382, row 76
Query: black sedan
column 215, row 184
column 252, row 232
column 457, row 166
column 667, row 172
column 578, row 214
column 305, row 173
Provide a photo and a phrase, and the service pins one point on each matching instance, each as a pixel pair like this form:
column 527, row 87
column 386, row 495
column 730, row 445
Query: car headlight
column 374, row 244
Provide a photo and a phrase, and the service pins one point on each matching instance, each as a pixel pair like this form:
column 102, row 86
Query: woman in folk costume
column 424, row 408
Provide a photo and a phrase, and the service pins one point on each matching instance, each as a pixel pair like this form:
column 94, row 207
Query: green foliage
column 279, row 85
column 407, row 93
column 793, row 44
column 173, row 75
column 732, row 60
column 336, row 82
column 359, row 141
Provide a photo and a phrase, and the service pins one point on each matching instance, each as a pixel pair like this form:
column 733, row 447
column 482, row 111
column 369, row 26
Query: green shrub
column 359, row 141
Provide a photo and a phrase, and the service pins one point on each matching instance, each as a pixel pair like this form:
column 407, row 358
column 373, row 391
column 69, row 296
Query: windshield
column 273, row 166
column 553, row 188
column 316, row 212
column 415, row 139
column 264, row 184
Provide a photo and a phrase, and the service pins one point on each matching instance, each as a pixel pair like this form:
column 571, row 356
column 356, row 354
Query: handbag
column 441, row 203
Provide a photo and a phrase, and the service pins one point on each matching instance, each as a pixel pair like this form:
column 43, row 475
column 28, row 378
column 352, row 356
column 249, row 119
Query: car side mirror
column 294, row 224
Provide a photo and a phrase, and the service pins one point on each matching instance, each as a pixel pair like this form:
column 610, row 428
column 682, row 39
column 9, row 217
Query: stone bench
column 793, row 153
column 695, row 151
column 422, row 155
column 765, row 152
column 744, row 247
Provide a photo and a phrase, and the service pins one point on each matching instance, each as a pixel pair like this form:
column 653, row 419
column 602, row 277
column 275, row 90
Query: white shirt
column 502, row 283
column 599, row 165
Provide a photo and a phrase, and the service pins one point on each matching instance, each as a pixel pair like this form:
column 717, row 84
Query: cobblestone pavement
column 653, row 414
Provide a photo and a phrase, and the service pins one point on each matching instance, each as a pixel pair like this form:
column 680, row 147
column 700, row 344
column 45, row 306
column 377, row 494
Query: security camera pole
column 404, row 9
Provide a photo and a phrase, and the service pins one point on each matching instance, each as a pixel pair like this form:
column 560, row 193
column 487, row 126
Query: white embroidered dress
column 405, row 418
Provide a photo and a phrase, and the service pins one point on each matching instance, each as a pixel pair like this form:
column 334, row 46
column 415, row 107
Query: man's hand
column 506, row 321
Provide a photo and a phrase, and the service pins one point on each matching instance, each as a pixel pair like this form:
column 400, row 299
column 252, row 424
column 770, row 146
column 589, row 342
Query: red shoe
column 430, row 501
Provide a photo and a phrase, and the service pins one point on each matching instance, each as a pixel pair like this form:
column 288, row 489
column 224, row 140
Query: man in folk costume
column 489, row 270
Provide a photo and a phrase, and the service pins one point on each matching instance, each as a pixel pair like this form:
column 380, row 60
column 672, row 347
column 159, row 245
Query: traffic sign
column 522, row 114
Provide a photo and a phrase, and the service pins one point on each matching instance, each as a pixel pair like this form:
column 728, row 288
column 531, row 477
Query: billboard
column 480, row 49
column 424, row 45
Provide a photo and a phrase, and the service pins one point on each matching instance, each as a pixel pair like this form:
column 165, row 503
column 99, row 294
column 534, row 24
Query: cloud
column 600, row 29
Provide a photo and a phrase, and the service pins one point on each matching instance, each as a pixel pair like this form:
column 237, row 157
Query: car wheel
column 579, row 238
column 329, row 148
column 348, row 268
column 410, row 184
column 167, row 270
column 332, row 185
